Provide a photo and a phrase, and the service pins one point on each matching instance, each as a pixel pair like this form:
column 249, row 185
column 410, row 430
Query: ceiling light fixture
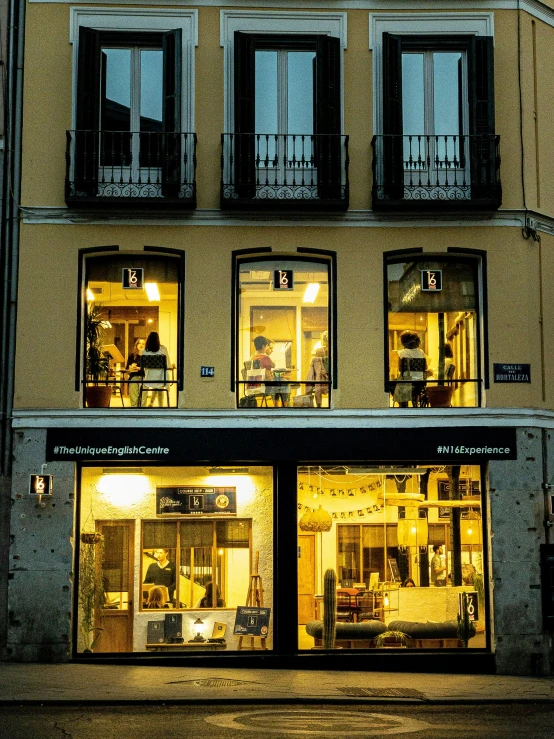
column 310, row 294
column 152, row 291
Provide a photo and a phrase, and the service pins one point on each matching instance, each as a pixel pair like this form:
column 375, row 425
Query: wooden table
column 187, row 646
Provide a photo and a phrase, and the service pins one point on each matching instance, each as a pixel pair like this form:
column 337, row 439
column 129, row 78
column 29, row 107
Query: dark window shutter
column 244, row 145
column 171, row 149
column 328, row 118
column 88, row 111
column 392, row 149
column 480, row 63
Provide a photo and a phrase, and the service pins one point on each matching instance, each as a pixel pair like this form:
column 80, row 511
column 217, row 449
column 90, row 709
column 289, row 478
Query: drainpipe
column 9, row 252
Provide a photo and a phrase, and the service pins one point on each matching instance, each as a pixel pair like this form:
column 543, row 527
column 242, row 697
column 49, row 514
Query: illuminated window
column 433, row 332
column 128, row 299
column 201, row 564
column 283, row 336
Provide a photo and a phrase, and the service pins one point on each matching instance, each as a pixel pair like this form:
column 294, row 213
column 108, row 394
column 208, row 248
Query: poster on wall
column 251, row 621
column 467, row 488
column 192, row 500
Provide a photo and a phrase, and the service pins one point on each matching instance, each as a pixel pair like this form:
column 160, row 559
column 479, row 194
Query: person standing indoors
column 135, row 372
column 162, row 572
column 154, row 377
column 438, row 567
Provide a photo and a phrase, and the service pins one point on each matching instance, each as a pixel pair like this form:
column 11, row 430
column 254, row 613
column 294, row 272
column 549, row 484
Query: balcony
column 122, row 169
column 422, row 173
column 284, row 172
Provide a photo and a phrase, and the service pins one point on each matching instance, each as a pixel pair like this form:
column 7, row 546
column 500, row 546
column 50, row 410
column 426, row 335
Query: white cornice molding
column 535, row 8
column 376, row 418
column 511, row 218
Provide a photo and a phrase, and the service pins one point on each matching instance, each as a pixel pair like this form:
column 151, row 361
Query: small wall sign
column 195, row 501
column 512, row 372
column 41, row 484
column 283, row 279
column 207, row 371
column 252, row 621
column 472, row 601
column 431, row 280
column 132, row 278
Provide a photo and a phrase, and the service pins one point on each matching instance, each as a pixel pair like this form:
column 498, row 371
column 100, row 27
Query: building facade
column 283, row 312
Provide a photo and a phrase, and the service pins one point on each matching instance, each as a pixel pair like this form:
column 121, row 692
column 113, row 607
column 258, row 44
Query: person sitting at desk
column 161, row 572
column 208, row 600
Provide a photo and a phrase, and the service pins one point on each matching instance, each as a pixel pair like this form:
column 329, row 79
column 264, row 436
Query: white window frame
column 276, row 22
column 414, row 24
column 142, row 19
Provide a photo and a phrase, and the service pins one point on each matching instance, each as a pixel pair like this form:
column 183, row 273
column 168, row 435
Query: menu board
column 251, row 621
column 191, row 500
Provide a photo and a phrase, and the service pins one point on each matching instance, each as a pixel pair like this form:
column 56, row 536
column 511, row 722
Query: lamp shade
column 319, row 520
column 470, row 529
column 413, row 532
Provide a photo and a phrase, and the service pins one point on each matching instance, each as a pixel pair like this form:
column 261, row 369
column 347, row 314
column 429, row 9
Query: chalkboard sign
column 251, row 621
column 394, row 571
column 197, row 501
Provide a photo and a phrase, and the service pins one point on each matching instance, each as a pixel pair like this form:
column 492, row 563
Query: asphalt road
column 416, row 721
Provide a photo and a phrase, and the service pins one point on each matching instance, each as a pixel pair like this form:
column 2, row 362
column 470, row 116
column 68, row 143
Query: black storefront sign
column 472, row 604
column 283, row 279
column 512, row 372
column 132, row 278
column 252, row 621
column 195, row 500
column 452, row 445
column 431, row 280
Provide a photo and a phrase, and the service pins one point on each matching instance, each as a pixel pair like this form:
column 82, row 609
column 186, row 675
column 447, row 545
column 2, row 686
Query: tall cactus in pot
column 329, row 609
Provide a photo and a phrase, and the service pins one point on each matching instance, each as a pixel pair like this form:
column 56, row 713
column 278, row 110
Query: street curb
column 277, row 701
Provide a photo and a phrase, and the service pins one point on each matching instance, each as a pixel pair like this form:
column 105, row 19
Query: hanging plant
column 91, row 587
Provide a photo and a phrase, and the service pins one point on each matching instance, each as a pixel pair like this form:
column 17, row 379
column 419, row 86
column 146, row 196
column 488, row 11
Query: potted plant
column 440, row 395
column 97, row 395
column 91, row 587
column 392, row 640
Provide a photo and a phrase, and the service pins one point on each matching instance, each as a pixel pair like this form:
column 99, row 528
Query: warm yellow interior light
column 310, row 294
column 90, row 294
column 152, row 291
column 123, row 490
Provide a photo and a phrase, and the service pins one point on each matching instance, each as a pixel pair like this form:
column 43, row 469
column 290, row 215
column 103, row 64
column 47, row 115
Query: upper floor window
column 433, row 334
column 287, row 147
column 132, row 329
column 132, row 138
column 283, row 333
column 438, row 144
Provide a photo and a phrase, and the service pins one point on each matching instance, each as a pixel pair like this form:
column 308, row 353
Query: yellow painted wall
column 48, row 306
column 49, row 253
column 48, row 87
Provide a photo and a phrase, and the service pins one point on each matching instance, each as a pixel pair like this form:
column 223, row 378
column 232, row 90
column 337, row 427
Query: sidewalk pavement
column 123, row 684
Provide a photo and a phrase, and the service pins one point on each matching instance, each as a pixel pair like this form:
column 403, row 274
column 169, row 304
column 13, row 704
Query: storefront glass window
column 433, row 333
column 283, row 334
column 131, row 312
column 183, row 541
column 405, row 545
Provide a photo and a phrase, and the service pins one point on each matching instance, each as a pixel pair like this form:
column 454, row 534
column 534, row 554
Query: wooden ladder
column 255, row 599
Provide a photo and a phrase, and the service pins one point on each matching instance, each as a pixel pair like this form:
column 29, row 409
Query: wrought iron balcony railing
column 284, row 172
column 436, row 172
column 122, row 168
